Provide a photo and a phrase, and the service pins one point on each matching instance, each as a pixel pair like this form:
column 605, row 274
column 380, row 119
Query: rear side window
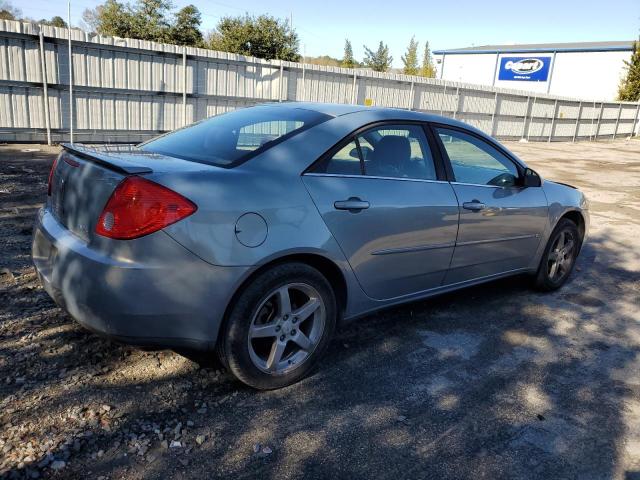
column 228, row 139
column 390, row 151
column 397, row 151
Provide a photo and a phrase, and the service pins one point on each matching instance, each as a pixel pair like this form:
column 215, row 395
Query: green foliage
column 186, row 27
column 56, row 21
column 147, row 20
column 410, row 59
column 263, row 37
column 9, row 12
column 347, row 60
column 428, row 68
column 629, row 89
column 378, row 61
column 324, row 60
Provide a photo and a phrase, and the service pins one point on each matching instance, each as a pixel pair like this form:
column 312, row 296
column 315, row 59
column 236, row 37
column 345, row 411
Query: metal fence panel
column 129, row 90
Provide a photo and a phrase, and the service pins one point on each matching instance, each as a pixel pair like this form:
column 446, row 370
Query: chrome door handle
column 474, row 206
column 354, row 204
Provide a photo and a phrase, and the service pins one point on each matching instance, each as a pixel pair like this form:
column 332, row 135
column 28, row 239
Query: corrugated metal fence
column 128, row 90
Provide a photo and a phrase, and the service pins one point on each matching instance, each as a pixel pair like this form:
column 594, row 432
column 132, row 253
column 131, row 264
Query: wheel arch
column 576, row 217
column 327, row 267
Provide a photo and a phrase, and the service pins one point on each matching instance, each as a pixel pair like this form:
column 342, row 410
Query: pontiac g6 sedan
column 255, row 232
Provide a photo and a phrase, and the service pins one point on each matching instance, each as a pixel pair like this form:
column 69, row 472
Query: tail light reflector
column 138, row 207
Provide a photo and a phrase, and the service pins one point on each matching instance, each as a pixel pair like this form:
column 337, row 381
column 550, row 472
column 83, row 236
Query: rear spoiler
column 108, row 159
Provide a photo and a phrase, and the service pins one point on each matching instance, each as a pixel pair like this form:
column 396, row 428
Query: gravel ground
column 492, row 382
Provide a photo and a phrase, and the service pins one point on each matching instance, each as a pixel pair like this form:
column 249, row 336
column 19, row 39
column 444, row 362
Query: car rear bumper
column 176, row 301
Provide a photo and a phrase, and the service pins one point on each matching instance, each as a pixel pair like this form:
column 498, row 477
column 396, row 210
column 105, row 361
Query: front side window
column 397, row 151
column 226, row 139
column 475, row 161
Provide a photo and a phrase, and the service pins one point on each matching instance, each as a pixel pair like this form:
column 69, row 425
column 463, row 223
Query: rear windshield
column 228, row 139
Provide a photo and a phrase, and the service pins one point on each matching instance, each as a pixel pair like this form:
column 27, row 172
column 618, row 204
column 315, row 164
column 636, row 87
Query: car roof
column 340, row 109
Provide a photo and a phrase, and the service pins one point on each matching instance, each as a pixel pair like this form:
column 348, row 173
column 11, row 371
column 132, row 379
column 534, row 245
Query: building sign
column 524, row 69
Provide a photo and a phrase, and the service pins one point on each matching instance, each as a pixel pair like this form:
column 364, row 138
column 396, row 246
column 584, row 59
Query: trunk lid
column 85, row 177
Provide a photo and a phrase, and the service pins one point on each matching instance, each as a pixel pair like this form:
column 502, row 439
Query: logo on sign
column 532, row 69
column 528, row 65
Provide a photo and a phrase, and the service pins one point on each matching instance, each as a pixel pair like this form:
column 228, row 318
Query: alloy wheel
column 286, row 328
column 560, row 256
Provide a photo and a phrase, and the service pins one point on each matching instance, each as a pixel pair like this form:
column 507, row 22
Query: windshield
column 228, row 139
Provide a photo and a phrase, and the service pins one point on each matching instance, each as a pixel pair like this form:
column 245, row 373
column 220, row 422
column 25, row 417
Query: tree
column 149, row 20
column 263, row 37
column 112, row 18
column 378, row 61
column 8, row 11
column 186, row 27
column 146, row 20
column 325, row 60
column 629, row 89
column 55, row 22
column 410, row 59
column 428, row 68
column 348, row 61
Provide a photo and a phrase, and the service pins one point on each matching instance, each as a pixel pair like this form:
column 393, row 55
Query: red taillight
column 139, row 207
column 51, row 172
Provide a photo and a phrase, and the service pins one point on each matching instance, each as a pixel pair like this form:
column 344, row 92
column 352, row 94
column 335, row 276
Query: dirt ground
column 492, row 382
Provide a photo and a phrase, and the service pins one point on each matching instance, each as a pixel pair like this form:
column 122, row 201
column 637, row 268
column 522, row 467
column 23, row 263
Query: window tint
column 235, row 136
column 397, row 151
column 475, row 161
column 345, row 161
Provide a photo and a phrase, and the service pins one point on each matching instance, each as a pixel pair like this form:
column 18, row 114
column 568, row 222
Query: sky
column 323, row 25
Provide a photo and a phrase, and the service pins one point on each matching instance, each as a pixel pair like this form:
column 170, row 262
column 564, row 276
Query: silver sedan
column 256, row 232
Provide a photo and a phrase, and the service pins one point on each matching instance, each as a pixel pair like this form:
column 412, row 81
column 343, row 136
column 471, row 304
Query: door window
column 397, row 151
column 475, row 161
column 346, row 161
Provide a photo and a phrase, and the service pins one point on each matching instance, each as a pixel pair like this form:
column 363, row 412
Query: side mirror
column 354, row 153
column 531, row 178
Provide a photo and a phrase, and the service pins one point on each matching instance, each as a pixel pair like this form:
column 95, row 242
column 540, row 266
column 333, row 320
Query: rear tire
column 559, row 256
column 279, row 327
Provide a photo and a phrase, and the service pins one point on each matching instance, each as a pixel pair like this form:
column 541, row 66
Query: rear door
column 386, row 201
column 501, row 222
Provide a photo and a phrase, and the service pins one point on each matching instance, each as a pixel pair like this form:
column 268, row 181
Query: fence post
column 280, row 82
column 615, row 131
column 70, row 80
column 184, row 86
column 493, row 115
column 444, row 95
column 411, row 95
column 526, row 114
column 635, row 124
column 533, row 106
column 45, row 93
column 303, row 85
column 353, row 89
column 553, row 120
column 455, row 112
column 575, row 130
column 599, row 118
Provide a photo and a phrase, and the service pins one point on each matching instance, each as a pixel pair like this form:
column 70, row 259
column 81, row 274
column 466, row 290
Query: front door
column 501, row 222
column 393, row 216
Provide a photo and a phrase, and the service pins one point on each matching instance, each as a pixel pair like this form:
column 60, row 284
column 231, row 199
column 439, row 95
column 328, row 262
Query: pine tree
column 410, row 59
column 380, row 60
column 629, row 89
column 348, row 61
column 428, row 69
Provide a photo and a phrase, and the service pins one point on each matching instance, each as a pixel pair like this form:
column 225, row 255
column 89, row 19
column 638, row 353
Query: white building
column 588, row 70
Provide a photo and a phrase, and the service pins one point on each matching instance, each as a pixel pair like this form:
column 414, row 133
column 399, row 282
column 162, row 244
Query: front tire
column 559, row 256
column 279, row 326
